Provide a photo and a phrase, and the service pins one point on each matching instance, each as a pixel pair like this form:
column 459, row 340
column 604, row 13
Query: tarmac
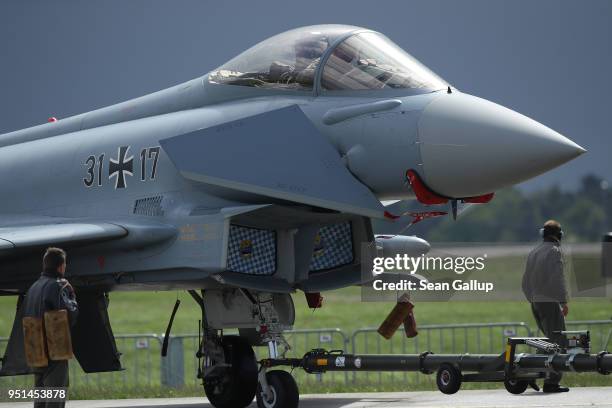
column 577, row 397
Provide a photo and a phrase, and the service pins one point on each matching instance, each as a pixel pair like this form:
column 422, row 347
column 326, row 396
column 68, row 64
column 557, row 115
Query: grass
column 148, row 312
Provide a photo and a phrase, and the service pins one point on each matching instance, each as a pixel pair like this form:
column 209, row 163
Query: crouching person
column 46, row 326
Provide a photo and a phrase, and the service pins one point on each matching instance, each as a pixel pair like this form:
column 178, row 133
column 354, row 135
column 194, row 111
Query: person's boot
column 550, row 388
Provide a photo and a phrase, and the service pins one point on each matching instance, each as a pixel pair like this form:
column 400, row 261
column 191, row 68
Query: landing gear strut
column 277, row 388
column 229, row 369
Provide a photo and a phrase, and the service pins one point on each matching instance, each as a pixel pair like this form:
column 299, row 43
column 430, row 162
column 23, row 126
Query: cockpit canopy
column 353, row 59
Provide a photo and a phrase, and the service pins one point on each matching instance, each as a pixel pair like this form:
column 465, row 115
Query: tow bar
column 516, row 370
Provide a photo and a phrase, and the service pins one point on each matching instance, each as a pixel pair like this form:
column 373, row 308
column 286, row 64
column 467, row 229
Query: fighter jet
column 257, row 180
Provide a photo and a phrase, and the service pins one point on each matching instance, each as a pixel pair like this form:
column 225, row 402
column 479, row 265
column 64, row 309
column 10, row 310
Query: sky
column 549, row 60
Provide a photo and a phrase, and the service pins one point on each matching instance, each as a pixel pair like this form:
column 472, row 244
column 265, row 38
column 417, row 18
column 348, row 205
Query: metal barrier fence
column 144, row 366
column 140, row 356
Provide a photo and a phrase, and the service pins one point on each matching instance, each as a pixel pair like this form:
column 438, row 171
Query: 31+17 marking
column 121, row 167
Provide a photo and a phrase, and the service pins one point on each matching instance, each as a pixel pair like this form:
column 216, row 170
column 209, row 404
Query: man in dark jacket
column 544, row 287
column 51, row 292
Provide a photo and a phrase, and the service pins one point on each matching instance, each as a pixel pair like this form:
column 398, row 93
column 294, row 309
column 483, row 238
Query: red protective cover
column 423, row 194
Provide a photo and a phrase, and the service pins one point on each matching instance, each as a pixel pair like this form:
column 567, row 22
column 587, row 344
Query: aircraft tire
column 448, row 378
column 285, row 393
column 238, row 386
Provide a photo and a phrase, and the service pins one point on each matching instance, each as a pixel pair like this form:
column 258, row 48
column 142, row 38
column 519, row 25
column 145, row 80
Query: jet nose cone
column 470, row 146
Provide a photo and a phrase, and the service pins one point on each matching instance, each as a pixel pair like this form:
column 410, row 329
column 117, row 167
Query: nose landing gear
column 229, row 369
column 277, row 388
column 282, row 391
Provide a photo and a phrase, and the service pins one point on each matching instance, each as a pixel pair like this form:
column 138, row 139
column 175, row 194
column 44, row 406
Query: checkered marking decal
column 333, row 247
column 251, row 251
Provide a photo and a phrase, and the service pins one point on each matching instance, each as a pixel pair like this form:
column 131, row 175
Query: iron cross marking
column 121, row 167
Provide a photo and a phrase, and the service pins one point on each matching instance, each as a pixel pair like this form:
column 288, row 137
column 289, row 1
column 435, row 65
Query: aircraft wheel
column 236, row 387
column 516, row 386
column 448, row 378
column 285, row 393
